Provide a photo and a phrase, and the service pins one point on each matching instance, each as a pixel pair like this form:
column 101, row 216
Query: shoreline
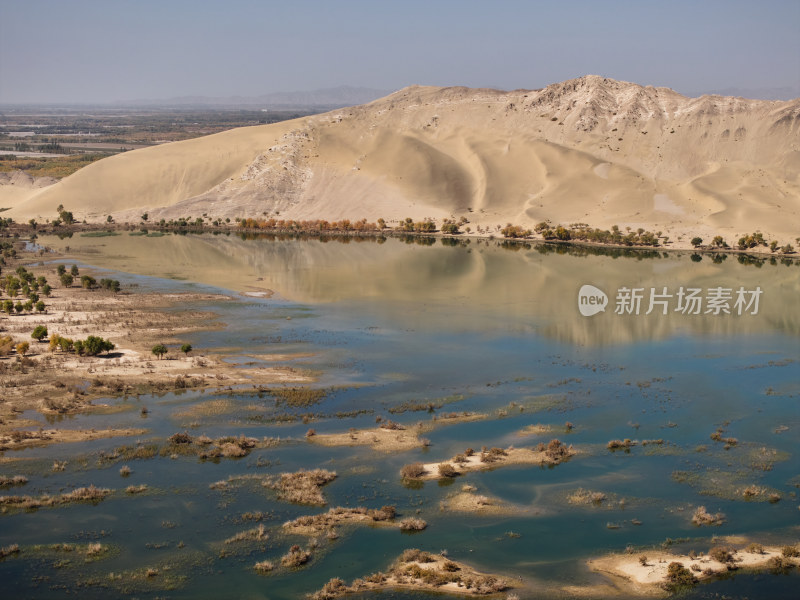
column 759, row 252
column 646, row 573
column 45, row 383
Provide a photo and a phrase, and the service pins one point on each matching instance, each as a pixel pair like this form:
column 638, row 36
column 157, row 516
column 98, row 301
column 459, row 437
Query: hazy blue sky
column 107, row 50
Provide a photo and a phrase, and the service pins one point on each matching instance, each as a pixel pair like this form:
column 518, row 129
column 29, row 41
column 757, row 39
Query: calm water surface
column 472, row 327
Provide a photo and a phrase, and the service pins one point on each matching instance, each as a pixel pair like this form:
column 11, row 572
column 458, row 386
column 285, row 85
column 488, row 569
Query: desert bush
column 386, row 513
column 180, row 438
column 413, row 471
column 415, row 555
column 556, row 451
column 302, row 487
column 332, row 589
column 492, row 454
column 617, row 444
column 12, row 481
column 9, row 550
column 296, row 557
column 779, row 565
column 755, row 548
column 678, row 577
column 264, row 566
column 702, row 517
column 790, row 551
column 721, row 554
column 450, row 566
column 447, row 470
column 412, row 524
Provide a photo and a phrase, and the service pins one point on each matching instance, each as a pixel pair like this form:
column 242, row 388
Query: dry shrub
column 302, row 487
column 492, row 454
column 412, row 524
column 620, row 444
column 556, row 451
column 386, row 513
column 450, row 566
column 180, row 438
column 779, row 565
column 790, row 551
column 702, row 517
column 721, row 554
column 265, row 566
column 257, row 534
column 230, row 450
column 416, row 555
column 678, row 577
column 755, row 548
column 12, row 481
column 9, row 550
column 413, row 471
column 296, row 557
column 447, row 470
column 332, row 589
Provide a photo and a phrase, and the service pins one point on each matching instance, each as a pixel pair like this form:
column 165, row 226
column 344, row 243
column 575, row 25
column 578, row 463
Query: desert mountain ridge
column 591, row 150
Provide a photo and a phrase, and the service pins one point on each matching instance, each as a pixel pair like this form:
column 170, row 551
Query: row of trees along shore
column 577, row 232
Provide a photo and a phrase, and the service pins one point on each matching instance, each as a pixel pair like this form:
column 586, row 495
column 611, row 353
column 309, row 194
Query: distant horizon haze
column 94, row 52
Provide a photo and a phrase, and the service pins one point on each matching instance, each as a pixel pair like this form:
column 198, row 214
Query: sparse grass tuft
column 302, row 487
column 702, row 517
column 296, row 557
column 412, row 524
column 12, row 481
column 264, row 566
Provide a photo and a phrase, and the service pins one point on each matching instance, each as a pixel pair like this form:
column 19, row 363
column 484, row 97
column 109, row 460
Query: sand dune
column 588, row 150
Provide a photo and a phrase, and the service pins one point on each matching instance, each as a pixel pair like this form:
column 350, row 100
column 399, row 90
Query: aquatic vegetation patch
column 14, row 480
column 257, row 534
column 89, row 494
column 729, row 485
column 301, row 487
column 296, row 557
column 702, row 517
column 424, row 405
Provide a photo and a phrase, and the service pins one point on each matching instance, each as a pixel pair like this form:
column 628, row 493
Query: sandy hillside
column 590, row 150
